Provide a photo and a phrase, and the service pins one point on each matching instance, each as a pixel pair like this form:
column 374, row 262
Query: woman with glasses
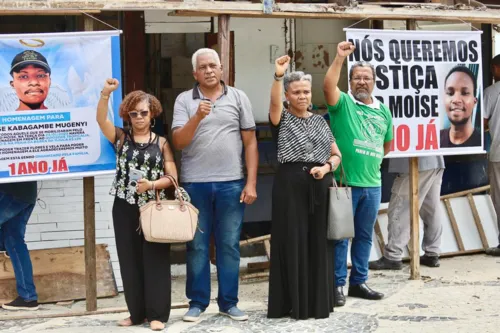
column 143, row 157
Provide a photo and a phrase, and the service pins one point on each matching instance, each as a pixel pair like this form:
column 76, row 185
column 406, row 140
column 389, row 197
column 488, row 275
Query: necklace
column 142, row 145
column 308, row 146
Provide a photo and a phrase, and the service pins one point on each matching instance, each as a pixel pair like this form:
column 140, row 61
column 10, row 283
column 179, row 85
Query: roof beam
column 422, row 11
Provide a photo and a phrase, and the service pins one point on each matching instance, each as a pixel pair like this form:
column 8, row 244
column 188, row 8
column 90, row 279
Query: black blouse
column 146, row 157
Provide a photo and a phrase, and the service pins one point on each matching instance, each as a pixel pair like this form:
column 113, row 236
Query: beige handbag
column 169, row 221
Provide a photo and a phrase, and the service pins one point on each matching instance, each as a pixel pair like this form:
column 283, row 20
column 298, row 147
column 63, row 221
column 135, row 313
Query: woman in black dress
column 301, row 282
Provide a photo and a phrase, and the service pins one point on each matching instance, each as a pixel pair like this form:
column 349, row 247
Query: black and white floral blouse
column 146, row 157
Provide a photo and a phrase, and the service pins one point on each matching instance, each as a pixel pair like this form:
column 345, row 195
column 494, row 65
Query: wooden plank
column 89, row 223
column 267, row 246
column 460, row 253
column 477, row 220
column 257, row 266
column 414, row 220
column 380, row 236
column 416, row 11
column 224, row 36
column 414, row 206
column 41, row 315
column 454, row 225
column 254, row 240
column 362, row 12
column 464, row 193
column 162, row 16
column 59, row 274
column 255, row 276
column 454, row 254
column 47, row 12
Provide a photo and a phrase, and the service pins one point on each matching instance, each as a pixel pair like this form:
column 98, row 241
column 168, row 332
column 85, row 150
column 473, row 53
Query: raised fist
column 344, row 49
column 110, row 85
column 282, row 64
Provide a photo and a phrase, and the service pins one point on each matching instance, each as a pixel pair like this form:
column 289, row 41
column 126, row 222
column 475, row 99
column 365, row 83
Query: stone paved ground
column 460, row 296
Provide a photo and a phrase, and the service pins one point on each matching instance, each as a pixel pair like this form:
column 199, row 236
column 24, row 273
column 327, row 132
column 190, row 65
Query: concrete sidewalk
column 460, row 296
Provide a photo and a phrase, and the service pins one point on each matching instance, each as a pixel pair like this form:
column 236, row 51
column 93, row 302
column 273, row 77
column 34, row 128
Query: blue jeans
column 365, row 205
column 14, row 215
column 221, row 213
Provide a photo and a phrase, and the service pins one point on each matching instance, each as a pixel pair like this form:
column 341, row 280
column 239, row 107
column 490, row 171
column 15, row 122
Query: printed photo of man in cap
column 30, row 73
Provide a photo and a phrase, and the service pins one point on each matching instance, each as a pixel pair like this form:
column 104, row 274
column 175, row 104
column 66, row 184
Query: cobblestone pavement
column 460, row 296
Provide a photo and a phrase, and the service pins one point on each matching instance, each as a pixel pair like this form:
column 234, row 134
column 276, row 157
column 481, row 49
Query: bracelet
column 153, row 187
column 340, row 157
column 279, row 78
column 332, row 166
column 105, row 97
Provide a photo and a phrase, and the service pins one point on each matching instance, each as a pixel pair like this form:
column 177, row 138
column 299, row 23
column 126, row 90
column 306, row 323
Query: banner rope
column 473, row 27
column 95, row 18
column 355, row 23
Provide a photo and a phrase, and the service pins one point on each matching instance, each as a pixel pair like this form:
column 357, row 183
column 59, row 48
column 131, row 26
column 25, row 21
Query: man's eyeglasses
column 358, row 79
column 135, row 114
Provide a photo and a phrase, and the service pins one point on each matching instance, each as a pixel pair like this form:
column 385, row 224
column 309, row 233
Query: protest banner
column 432, row 83
column 49, row 89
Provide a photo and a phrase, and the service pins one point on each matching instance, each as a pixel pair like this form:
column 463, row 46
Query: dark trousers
column 145, row 267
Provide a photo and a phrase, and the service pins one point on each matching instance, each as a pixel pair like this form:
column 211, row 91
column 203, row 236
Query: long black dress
column 301, row 282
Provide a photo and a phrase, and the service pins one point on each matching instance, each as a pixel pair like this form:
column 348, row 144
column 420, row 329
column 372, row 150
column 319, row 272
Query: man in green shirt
column 362, row 127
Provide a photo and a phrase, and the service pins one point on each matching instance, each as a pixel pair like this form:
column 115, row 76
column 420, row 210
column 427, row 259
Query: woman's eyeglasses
column 135, row 114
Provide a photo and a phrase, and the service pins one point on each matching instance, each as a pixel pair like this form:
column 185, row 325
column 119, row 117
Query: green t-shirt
column 360, row 131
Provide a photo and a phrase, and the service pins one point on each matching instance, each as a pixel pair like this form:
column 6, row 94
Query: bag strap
column 176, row 185
column 342, row 177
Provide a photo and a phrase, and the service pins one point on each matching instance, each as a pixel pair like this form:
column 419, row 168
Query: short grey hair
column 194, row 58
column 362, row 64
column 294, row 77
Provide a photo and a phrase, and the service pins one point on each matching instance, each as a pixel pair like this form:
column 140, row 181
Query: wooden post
column 134, row 44
column 414, row 216
column 223, row 37
column 414, row 221
column 224, row 42
column 89, row 224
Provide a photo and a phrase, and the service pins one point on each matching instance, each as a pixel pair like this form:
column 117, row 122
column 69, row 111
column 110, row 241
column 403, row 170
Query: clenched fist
column 281, row 65
column 344, row 49
column 204, row 109
column 110, row 85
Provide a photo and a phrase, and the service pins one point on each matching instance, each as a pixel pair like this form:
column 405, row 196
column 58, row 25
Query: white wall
column 254, row 68
column 316, row 46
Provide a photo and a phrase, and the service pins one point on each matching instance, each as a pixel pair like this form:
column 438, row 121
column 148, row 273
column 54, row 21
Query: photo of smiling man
column 30, row 73
column 460, row 100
